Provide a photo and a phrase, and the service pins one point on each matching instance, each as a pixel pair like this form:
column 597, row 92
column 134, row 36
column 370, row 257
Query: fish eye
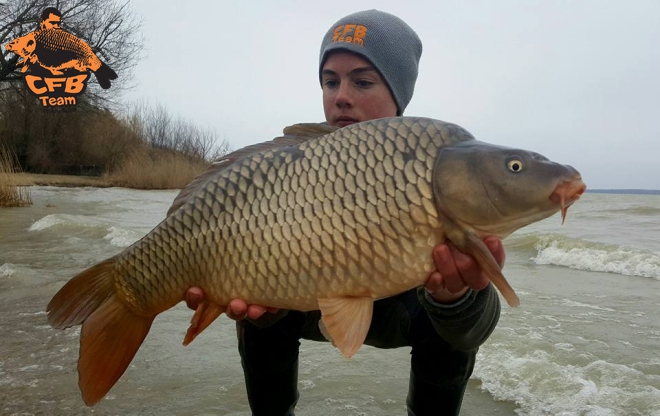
column 515, row 165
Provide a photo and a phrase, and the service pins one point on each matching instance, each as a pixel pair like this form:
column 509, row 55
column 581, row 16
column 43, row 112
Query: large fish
column 317, row 219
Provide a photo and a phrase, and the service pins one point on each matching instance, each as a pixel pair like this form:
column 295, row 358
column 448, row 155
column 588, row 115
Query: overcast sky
column 577, row 81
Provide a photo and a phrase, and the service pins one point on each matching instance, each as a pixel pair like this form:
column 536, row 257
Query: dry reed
column 155, row 170
column 11, row 195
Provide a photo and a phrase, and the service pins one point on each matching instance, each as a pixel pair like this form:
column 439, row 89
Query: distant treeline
column 625, row 191
column 94, row 140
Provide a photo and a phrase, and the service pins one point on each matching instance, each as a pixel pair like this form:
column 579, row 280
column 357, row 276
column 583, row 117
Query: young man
column 368, row 68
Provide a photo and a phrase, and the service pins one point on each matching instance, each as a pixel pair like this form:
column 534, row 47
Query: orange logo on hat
column 50, row 50
column 350, row 34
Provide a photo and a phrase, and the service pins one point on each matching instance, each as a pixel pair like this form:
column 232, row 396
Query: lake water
column 585, row 340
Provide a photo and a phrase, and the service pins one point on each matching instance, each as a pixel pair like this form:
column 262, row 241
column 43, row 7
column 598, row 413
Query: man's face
column 52, row 22
column 353, row 91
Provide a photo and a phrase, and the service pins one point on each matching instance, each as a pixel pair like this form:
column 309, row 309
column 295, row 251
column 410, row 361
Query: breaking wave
column 540, row 384
column 597, row 257
column 65, row 220
column 89, row 227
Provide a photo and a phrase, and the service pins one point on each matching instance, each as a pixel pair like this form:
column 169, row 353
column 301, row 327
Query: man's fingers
column 434, row 283
column 237, row 310
column 443, row 261
column 254, row 312
column 494, row 244
column 194, row 296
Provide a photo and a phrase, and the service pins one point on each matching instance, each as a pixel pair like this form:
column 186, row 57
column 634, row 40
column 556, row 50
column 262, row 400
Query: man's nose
column 344, row 96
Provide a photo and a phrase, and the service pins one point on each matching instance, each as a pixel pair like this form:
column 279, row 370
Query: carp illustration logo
column 57, row 63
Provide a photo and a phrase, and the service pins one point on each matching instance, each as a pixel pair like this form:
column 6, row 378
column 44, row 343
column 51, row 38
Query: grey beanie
column 386, row 41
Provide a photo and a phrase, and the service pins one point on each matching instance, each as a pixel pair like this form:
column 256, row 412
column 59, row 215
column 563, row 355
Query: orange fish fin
column 81, row 295
column 309, row 130
column 205, row 314
column 345, row 322
column 477, row 249
column 109, row 339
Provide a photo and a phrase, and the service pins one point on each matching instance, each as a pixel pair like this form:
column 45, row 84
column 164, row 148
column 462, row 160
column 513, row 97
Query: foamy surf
column 87, row 226
column 8, row 269
column 596, row 257
column 66, row 221
column 16, row 276
column 121, row 237
column 540, row 386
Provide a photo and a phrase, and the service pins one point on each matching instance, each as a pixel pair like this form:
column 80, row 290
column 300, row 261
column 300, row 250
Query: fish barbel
column 321, row 218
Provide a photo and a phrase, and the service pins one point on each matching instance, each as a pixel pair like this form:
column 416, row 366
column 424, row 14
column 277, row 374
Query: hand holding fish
column 237, row 309
column 456, row 273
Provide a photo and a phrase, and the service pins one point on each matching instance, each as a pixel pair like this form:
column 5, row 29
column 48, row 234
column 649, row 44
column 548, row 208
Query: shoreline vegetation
column 140, row 171
column 140, row 147
column 11, row 193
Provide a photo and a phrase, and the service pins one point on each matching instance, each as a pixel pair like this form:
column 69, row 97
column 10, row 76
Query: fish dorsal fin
column 293, row 136
column 345, row 322
column 309, row 130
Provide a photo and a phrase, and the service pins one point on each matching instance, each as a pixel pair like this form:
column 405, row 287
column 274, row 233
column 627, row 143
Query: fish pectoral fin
column 345, row 322
column 477, row 249
column 205, row 314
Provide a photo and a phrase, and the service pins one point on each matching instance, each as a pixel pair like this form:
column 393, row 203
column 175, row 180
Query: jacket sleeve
column 467, row 323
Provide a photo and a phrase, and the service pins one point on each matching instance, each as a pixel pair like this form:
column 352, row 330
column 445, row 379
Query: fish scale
column 317, row 219
column 246, row 192
column 58, row 40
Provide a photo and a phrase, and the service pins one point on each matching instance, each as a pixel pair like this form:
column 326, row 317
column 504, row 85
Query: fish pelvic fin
column 205, row 314
column 477, row 249
column 111, row 332
column 345, row 322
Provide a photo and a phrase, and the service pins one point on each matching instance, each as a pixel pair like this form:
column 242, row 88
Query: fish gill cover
column 56, row 63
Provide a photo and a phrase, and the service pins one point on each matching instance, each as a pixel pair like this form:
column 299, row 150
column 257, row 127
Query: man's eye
column 330, row 83
column 364, row 83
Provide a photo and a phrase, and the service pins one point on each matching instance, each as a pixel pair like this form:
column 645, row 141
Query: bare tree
column 108, row 27
column 159, row 129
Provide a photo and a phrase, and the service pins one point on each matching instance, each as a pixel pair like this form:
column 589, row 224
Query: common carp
column 320, row 218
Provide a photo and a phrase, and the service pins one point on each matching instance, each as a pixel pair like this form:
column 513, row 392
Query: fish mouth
column 566, row 193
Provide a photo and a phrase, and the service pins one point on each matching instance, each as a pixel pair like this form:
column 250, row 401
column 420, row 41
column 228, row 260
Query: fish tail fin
column 109, row 339
column 104, row 74
column 82, row 295
column 111, row 333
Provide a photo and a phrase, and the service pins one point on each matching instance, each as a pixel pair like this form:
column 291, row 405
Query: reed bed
column 11, row 195
column 147, row 169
